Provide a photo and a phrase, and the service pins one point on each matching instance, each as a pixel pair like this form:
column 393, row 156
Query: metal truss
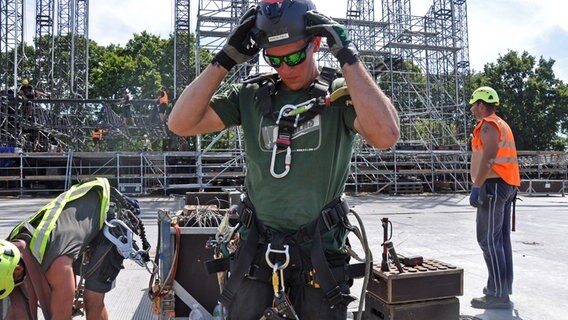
column 182, row 48
column 11, row 40
column 44, row 32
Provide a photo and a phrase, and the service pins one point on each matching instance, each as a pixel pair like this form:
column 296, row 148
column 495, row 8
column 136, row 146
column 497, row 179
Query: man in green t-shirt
column 297, row 160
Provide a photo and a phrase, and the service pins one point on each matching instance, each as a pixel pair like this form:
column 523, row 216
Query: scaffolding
column 11, row 44
column 182, row 47
column 421, row 62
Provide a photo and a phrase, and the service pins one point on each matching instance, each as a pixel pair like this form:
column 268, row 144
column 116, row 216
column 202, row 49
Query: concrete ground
column 440, row 227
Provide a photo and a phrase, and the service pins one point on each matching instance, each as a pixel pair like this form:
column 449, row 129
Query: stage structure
column 421, row 62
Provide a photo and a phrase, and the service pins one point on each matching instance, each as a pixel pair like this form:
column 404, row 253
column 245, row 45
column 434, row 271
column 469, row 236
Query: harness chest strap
column 36, row 286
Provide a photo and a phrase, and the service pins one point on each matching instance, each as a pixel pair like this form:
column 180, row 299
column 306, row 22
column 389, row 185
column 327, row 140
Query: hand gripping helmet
column 279, row 22
column 9, row 258
column 486, row 94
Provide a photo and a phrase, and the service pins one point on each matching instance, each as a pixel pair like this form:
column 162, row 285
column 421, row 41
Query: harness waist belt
column 333, row 215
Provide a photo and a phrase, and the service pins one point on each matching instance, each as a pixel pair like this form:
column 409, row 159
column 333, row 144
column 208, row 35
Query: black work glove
column 336, row 34
column 239, row 47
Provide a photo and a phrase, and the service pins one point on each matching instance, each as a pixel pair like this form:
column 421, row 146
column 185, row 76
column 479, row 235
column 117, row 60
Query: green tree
column 532, row 100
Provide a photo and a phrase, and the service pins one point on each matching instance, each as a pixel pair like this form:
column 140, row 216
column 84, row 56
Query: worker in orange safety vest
column 495, row 176
column 97, row 136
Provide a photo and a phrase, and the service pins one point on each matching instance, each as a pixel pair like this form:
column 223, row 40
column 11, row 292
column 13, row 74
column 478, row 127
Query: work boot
column 491, row 302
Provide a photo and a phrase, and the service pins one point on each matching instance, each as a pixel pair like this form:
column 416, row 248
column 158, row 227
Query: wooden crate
column 441, row 309
column 432, row 280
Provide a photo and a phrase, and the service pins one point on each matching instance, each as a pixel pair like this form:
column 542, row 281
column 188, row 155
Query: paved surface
column 440, row 227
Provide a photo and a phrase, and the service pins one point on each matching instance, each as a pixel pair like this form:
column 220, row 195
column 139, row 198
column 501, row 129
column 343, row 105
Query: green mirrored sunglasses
column 292, row 59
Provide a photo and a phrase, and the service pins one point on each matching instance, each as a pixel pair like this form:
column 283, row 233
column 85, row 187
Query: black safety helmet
column 280, row 22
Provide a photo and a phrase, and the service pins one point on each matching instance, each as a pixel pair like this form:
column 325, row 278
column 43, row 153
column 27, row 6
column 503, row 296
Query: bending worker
column 67, row 238
column 495, row 176
column 298, row 146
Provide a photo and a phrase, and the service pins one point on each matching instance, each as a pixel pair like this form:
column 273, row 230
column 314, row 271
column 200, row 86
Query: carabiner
column 287, row 162
column 124, row 243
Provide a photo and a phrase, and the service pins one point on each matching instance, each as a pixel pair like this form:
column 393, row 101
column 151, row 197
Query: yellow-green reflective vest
column 50, row 213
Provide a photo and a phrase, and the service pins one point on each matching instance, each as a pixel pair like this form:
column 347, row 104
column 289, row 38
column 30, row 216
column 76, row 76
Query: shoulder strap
column 35, row 280
column 267, row 84
column 320, row 89
column 322, row 84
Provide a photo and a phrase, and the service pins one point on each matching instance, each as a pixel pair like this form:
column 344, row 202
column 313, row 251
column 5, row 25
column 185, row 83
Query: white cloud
column 113, row 21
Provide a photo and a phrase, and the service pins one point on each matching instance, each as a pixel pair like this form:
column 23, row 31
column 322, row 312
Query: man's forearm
column 191, row 106
column 377, row 118
column 483, row 172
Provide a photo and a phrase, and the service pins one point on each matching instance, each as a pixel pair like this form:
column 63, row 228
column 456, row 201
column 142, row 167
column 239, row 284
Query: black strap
column 240, row 270
column 328, row 220
column 264, row 96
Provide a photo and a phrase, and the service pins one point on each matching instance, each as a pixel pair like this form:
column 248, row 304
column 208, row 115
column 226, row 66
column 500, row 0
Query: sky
column 539, row 27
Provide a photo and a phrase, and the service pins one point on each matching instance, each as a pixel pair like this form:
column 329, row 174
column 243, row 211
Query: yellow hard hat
column 9, row 258
column 25, row 82
column 486, row 94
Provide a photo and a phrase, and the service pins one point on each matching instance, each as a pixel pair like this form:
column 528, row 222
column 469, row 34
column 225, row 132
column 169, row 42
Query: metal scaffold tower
column 64, row 117
column 427, row 62
column 11, row 40
column 11, row 56
column 215, row 21
column 44, row 32
column 182, row 41
column 61, row 42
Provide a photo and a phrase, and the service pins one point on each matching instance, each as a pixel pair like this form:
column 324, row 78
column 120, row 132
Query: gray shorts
column 103, row 265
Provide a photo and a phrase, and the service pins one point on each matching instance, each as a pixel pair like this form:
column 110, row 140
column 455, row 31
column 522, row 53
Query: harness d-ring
column 285, row 252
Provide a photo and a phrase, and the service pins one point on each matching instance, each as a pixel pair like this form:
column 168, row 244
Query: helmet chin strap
column 19, row 274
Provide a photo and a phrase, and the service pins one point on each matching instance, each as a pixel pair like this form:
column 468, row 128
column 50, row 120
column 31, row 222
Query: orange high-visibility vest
column 164, row 98
column 97, row 134
column 506, row 164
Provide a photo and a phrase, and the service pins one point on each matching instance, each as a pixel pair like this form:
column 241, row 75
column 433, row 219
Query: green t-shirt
column 321, row 155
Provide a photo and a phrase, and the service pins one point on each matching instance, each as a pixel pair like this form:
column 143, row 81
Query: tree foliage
column 532, row 100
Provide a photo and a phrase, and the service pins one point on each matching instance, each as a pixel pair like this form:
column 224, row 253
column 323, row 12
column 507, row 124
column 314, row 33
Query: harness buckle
column 334, row 296
column 330, row 218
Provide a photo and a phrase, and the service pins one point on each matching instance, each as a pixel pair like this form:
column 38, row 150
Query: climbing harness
column 334, row 215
